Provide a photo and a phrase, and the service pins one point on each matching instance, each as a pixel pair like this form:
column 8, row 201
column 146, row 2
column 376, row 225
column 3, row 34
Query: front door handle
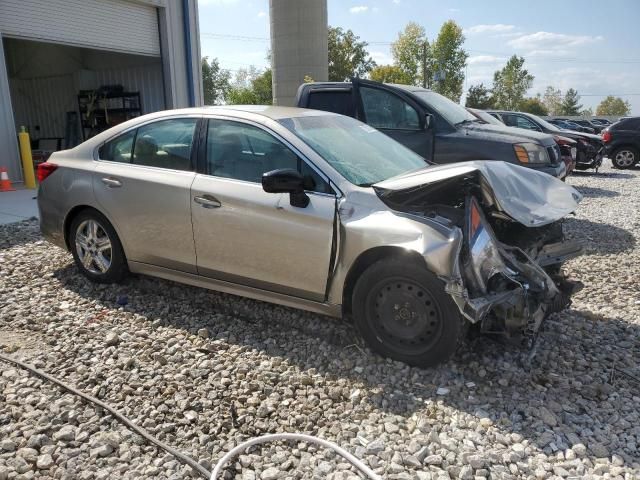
column 207, row 201
column 112, row 182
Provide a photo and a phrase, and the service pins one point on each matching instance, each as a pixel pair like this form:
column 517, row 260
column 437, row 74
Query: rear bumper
column 51, row 222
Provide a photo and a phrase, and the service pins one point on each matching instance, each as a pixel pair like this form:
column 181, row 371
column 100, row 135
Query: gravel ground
column 203, row 370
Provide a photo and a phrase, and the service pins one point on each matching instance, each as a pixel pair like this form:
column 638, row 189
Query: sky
column 592, row 46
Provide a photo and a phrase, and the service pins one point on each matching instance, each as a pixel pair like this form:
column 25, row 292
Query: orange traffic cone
column 5, row 184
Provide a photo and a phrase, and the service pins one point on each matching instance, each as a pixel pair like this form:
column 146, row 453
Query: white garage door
column 120, row 25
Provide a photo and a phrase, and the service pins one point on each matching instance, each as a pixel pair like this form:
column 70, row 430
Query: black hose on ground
column 118, row 416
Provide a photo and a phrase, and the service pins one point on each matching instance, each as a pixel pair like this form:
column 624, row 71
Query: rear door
column 142, row 183
column 394, row 114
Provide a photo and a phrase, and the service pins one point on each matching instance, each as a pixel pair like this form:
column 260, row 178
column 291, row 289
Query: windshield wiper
column 464, row 122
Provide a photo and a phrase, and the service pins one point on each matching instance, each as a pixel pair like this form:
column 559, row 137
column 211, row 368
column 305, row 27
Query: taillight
column 45, row 169
column 606, row 136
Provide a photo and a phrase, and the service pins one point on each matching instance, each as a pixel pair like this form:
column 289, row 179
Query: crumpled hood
column 527, row 196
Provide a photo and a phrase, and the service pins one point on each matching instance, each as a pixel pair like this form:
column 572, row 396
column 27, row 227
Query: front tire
column 96, row 248
column 403, row 312
column 625, row 157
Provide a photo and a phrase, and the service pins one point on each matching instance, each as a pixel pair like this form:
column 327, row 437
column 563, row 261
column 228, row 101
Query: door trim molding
column 236, row 289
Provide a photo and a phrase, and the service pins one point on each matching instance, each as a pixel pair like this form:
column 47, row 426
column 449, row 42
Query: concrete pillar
column 299, row 46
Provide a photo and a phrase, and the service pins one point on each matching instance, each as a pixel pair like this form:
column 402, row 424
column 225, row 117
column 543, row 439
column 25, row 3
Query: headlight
column 531, row 153
column 484, row 255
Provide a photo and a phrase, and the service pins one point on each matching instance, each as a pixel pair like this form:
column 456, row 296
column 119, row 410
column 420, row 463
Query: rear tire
column 625, row 157
column 403, row 312
column 96, row 248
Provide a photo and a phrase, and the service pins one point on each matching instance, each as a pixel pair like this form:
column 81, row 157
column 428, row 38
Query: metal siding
column 44, row 101
column 107, row 24
column 8, row 143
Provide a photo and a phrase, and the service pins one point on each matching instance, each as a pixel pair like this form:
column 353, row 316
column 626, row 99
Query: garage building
column 71, row 68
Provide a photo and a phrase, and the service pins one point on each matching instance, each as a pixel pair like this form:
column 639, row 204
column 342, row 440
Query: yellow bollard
column 27, row 159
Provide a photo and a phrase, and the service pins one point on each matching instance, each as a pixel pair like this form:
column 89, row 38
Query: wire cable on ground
column 217, row 471
column 118, row 416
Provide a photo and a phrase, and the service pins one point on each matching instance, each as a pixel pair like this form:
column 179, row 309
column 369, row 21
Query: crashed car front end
column 507, row 275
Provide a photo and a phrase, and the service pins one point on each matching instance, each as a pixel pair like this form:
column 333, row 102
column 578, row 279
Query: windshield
column 545, row 124
column 360, row 153
column 485, row 117
column 451, row 111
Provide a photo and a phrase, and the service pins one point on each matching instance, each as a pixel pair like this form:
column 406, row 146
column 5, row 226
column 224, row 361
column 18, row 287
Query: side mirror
column 428, row 121
column 286, row 180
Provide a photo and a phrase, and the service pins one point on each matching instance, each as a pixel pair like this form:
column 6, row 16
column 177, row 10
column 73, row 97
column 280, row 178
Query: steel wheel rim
column 93, row 247
column 625, row 158
column 404, row 316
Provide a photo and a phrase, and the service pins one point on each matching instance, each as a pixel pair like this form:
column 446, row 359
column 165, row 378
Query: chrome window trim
column 97, row 148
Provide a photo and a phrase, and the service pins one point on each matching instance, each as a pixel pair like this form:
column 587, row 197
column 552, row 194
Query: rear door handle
column 208, row 201
column 112, row 182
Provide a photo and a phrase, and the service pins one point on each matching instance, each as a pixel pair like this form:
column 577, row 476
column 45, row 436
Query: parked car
column 431, row 125
column 590, row 147
column 316, row 211
column 588, row 124
column 601, row 121
column 571, row 125
column 567, row 145
column 622, row 142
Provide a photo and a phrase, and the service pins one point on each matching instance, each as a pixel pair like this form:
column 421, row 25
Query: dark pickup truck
column 431, row 125
column 622, row 142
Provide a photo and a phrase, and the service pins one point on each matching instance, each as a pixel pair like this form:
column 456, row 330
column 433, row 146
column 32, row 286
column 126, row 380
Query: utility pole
column 424, row 64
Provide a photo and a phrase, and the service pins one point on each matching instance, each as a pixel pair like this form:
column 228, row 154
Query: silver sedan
column 320, row 212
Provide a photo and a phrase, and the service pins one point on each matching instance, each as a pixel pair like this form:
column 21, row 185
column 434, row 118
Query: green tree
column 478, row 96
column 215, row 81
column 511, row 83
column 587, row 112
column 534, row 106
column 263, row 88
column 448, row 58
column 408, row 51
column 552, row 100
column 250, row 87
column 390, row 74
column 348, row 55
column 613, row 106
column 570, row 105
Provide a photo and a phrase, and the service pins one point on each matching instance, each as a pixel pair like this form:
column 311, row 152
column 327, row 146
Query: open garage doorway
column 65, row 94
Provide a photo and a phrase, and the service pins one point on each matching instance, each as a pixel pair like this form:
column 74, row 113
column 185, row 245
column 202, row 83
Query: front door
column 398, row 117
column 142, row 183
column 249, row 237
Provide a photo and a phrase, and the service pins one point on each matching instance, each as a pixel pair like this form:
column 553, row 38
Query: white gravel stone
column 263, row 369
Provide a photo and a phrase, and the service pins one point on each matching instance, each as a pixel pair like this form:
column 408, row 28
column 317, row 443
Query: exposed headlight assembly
column 531, row 153
column 484, row 255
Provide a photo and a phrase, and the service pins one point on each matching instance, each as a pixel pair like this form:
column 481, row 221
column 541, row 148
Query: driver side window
column 383, row 109
column 245, row 152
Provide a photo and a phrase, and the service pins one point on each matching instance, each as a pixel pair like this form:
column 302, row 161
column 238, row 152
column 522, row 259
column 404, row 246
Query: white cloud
column 551, row 41
column 359, row 9
column 381, row 58
column 494, row 28
column 262, row 14
column 477, row 59
column 397, row 2
column 454, row 10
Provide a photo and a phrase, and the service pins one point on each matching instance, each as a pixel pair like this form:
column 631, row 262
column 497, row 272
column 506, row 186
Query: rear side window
column 118, row 149
column 165, row 144
column 628, row 124
column 383, row 109
column 336, row 101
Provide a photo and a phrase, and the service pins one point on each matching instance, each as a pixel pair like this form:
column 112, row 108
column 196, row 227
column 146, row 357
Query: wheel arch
column 368, row 258
column 73, row 213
